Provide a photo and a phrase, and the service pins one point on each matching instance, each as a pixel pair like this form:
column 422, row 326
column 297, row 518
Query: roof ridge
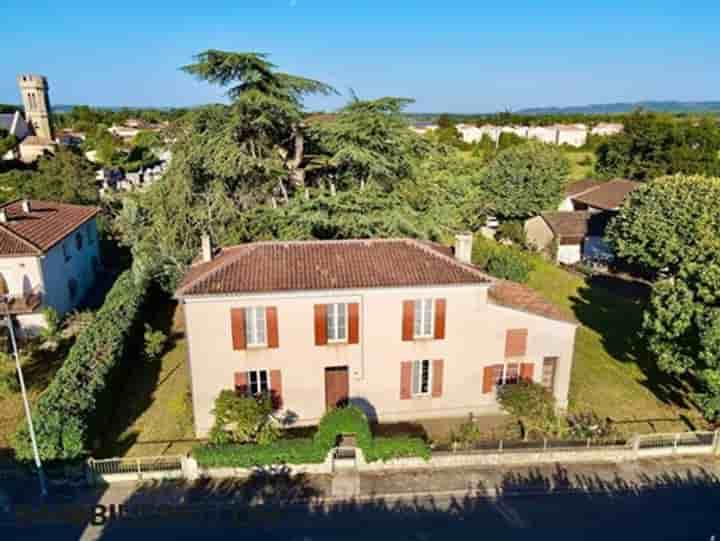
column 465, row 266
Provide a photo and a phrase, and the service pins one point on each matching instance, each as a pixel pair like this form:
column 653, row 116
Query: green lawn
column 155, row 416
column 612, row 374
column 581, row 165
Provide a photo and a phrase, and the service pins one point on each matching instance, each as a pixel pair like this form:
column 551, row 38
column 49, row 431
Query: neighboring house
column 470, row 133
column 545, row 134
column 49, row 256
column 421, row 128
column 607, row 128
column 574, row 135
column 578, row 234
column 579, row 226
column 14, row 124
column 402, row 328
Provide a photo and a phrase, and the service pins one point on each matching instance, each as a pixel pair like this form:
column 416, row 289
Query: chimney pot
column 3, row 216
column 207, row 254
column 463, row 247
column 26, row 206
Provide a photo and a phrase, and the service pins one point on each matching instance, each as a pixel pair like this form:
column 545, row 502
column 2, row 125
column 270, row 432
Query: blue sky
column 456, row 56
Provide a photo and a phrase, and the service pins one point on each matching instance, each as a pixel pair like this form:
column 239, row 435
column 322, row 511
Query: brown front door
column 337, row 386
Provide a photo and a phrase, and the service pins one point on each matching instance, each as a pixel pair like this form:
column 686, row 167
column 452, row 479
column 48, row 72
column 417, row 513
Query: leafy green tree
column 654, row 145
column 243, row 419
column 368, row 142
column 533, row 405
column 525, row 180
column 667, row 222
column 682, row 326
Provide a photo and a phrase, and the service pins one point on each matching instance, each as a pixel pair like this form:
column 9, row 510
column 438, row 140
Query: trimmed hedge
column 293, row 451
column 66, row 411
column 337, row 421
column 504, row 262
column 347, row 420
column 398, row 447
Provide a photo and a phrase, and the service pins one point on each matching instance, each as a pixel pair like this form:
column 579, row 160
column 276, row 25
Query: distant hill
column 626, row 107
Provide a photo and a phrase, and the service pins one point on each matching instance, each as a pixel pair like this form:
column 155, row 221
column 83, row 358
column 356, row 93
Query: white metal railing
column 135, row 465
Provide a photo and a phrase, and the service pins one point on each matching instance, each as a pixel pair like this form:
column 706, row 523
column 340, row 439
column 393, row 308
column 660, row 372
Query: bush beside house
column 75, row 403
column 336, row 422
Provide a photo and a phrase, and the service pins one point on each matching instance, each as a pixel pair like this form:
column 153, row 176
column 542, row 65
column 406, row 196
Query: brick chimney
column 26, row 206
column 463, row 247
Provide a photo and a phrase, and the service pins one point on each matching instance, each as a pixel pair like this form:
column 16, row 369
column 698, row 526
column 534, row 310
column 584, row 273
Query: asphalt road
column 666, row 513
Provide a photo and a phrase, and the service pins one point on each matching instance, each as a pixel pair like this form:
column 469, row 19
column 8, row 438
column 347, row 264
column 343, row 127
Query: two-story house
column 49, row 256
column 402, row 328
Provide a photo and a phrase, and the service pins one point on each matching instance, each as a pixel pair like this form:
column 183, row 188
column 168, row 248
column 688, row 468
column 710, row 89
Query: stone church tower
column 34, row 90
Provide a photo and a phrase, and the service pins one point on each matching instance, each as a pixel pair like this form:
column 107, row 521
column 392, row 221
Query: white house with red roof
column 404, row 329
column 49, row 256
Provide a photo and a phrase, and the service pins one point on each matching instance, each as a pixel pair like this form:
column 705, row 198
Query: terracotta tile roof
column 349, row 264
column 521, row 297
column 46, row 224
column 609, row 195
column 572, row 227
column 581, row 186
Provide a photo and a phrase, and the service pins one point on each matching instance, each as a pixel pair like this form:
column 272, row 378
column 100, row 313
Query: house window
column 507, row 374
column 258, row 382
column 79, row 241
column 421, row 378
column 337, row 322
column 424, row 319
column 255, row 331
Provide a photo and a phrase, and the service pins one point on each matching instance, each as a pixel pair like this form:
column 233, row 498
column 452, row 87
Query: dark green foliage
column 514, row 231
column 290, row 451
column 532, row 404
column 653, row 145
column 525, row 180
column 242, row 419
column 9, row 383
column 66, row 414
column 347, row 420
column 397, row 447
column 505, row 262
column 155, row 341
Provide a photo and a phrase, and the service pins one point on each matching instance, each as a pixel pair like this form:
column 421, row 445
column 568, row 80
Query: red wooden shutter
column 271, row 317
column 353, row 323
column 241, row 382
column 526, row 371
column 437, row 377
column 405, row 380
column 516, row 342
column 276, row 388
column 321, row 324
column 237, row 325
column 440, row 319
column 488, row 379
column 408, row 321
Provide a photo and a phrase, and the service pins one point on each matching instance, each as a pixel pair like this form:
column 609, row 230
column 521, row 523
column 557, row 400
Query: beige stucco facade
column 474, row 338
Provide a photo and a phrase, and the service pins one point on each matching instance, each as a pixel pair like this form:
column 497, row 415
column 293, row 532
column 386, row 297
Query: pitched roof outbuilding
column 571, row 227
column 265, row 267
column 35, row 232
column 608, row 195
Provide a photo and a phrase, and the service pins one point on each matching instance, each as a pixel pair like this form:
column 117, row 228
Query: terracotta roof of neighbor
column 348, row 264
column 35, row 232
column 581, row 186
column 573, row 226
column 609, row 195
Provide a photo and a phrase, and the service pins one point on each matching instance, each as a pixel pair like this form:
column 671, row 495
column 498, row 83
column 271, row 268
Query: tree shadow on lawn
column 135, row 389
column 613, row 307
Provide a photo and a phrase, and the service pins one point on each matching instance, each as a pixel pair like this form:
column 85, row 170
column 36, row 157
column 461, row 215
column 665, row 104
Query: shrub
column 532, row 404
column 290, row 451
column 51, row 331
column 467, row 434
column 587, row 424
column 398, row 447
column 514, row 231
column 155, row 341
column 242, row 419
column 346, row 420
column 67, row 411
column 504, row 262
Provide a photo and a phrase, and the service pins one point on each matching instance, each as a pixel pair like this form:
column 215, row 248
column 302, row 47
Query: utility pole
column 26, row 403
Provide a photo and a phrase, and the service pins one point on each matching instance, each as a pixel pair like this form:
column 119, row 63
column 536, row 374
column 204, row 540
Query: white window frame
column 255, row 326
column 504, row 376
column 334, row 311
column 416, row 378
column 424, row 319
column 258, row 378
